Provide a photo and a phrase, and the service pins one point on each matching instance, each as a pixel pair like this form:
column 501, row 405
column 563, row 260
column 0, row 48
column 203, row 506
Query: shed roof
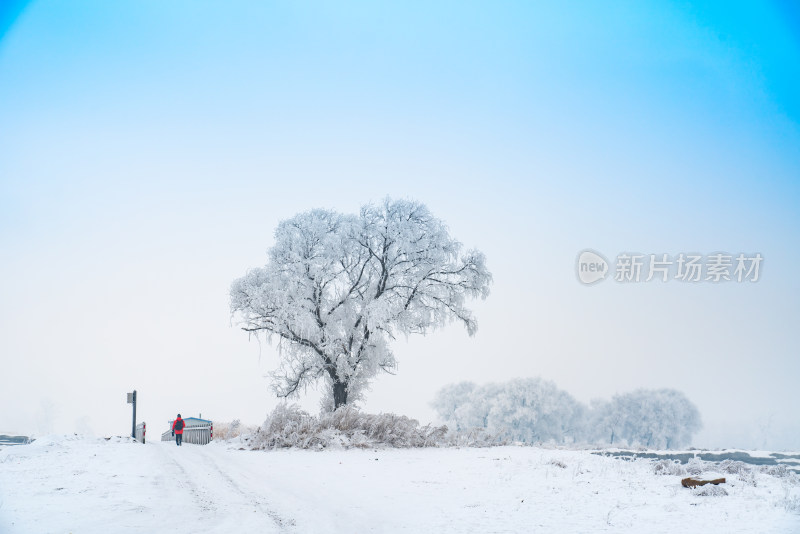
column 195, row 419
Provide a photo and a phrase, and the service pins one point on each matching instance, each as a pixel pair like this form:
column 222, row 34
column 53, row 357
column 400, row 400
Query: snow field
column 74, row 485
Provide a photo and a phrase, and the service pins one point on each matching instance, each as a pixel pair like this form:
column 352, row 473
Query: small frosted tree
column 604, row 422
column 525, row 409
column 534, row 410
column 649, row 418
column 450, row 403
column 338, row 288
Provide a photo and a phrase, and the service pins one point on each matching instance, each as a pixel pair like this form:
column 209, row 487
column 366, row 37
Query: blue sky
column 148, row 150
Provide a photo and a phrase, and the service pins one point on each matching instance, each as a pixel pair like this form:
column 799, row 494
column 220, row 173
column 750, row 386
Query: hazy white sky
column 148, row 150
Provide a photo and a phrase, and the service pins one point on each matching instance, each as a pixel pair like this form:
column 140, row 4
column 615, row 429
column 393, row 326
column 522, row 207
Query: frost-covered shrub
column 387, row 429
column 710, row 490
column 557, row 463
column 473, row 437
column 695, row 466
column 669, row 467
column 286, row 426
column 778, row 471
column 290, row 426
column 234, row 429
column 733, row 467
column 791, row 503
column 748, row 478
column 742, row 471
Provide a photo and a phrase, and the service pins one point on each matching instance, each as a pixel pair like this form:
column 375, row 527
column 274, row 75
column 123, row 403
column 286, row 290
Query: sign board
column 131, row 398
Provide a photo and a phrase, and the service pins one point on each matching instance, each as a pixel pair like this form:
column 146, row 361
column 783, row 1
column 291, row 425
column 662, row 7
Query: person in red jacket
column 177, row 429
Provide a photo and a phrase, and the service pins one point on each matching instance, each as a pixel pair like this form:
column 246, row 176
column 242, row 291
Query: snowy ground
column 86, row 486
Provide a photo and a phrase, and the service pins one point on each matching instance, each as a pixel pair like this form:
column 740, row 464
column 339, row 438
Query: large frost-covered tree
column 338, row 288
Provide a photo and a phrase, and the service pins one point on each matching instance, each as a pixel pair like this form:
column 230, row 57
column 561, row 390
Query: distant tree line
column 534, row 410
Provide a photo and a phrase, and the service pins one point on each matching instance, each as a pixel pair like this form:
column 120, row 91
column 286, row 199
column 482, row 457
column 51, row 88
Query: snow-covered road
column 88, row 486
column 224, row 495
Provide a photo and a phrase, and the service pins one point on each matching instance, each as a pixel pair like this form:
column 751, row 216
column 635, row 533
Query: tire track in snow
column 218, row 496
column 254, row 499
column 206, row 505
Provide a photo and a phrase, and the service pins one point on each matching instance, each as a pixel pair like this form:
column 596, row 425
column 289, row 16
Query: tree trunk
column 339, row 394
